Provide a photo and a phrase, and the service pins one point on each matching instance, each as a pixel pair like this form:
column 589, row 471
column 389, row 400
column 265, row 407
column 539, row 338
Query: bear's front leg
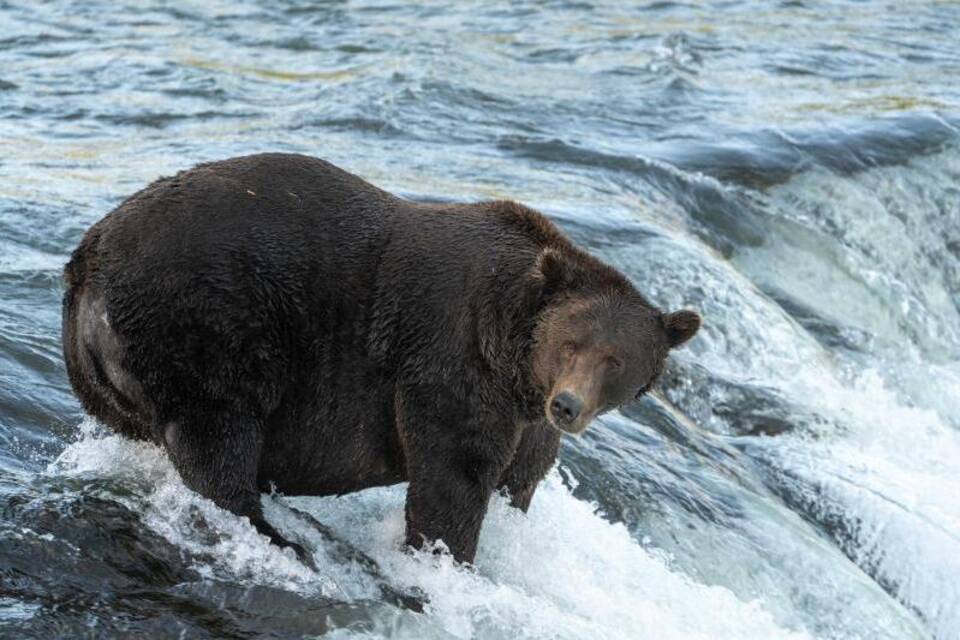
column 441, row 506
column 453, row 464
column 535, row 455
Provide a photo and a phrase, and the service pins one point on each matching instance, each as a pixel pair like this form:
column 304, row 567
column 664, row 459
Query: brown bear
column 273, row 320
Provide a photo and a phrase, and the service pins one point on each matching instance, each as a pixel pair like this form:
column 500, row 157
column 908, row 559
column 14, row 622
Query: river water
column 790, row 169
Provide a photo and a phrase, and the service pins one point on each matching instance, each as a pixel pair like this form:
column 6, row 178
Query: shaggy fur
column 274, row 320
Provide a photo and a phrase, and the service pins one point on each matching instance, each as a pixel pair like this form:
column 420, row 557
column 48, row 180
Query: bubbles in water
column 559, row 571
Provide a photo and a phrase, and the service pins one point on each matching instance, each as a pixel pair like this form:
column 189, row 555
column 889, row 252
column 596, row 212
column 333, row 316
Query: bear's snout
column 565, row 408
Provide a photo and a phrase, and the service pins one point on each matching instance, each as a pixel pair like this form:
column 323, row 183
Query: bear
column 274, row 322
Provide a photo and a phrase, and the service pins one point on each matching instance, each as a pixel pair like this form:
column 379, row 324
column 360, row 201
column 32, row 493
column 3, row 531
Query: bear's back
column 280, row 200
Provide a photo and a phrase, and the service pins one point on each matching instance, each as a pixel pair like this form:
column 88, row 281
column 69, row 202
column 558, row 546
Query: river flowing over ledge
column 790, row 169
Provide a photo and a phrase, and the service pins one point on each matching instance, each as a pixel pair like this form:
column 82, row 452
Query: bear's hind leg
column 217, row 455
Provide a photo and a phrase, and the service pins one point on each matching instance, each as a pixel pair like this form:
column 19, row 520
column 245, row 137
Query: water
column 791, row 169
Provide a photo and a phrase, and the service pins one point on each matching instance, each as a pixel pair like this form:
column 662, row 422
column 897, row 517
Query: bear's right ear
column 550, row 273
column 553, row 268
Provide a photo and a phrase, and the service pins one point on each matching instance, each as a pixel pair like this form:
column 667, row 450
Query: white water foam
column 877, row 253
column 559, row 572
column 884, row 461
column 891, row 479
column 876, row 449
column 181, row 515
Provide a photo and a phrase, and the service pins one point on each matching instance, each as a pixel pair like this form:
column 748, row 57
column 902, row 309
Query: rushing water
column 791, row 169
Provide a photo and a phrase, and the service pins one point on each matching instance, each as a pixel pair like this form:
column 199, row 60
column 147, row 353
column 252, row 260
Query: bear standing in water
column 275, row 320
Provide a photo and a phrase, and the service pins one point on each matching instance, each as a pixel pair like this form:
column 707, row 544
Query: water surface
column 791, row 169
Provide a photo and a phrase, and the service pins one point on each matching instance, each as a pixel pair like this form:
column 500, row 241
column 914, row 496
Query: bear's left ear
column 681, row 326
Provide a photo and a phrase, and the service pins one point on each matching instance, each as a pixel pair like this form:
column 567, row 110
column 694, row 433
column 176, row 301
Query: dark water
column 791, row 169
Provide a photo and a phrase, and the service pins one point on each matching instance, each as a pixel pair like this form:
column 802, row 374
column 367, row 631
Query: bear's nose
column 566, row 407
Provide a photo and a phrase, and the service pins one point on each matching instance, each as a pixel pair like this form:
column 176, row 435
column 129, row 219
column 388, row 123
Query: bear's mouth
column 570, row 430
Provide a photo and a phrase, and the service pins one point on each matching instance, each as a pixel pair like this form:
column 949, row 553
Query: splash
column 560, row 571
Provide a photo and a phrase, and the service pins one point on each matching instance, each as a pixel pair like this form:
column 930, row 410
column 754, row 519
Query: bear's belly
column 344, row 440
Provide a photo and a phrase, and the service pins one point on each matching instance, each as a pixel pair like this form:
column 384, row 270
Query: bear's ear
column 552, row 267
column 681, row 326
column 552, row 272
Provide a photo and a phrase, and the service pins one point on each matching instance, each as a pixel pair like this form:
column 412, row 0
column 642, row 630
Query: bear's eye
column 615, row 363
column 569, row 348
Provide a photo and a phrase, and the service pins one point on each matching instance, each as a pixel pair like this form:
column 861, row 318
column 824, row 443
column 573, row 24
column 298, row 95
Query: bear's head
column 598, row 343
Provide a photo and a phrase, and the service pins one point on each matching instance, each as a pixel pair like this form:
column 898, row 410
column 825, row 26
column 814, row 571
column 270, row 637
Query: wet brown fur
column 274, row 320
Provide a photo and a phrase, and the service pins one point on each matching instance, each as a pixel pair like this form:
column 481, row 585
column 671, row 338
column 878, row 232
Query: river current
column 790, row 169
